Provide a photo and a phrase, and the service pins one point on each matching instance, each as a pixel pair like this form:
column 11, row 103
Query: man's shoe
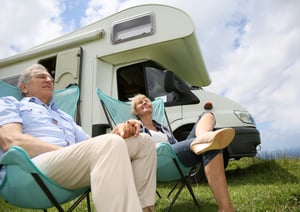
column 218, row 139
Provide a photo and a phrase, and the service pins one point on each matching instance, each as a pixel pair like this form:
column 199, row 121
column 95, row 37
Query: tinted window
column 149, row 78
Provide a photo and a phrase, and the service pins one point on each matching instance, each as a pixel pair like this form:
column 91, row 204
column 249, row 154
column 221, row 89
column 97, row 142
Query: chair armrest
column 17, row 156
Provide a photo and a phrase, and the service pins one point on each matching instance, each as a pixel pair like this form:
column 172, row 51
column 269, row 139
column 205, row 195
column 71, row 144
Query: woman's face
column 143, row 106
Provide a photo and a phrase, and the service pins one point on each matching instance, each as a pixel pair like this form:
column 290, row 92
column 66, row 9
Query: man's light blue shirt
column 47, row 123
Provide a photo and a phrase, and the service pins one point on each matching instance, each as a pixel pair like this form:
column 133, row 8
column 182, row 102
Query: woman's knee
column 209, row 115
column 208, row 156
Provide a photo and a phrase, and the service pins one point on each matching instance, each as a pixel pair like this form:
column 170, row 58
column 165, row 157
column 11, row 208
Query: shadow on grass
column 260, row 172
column 183, row 207
column 185, row 204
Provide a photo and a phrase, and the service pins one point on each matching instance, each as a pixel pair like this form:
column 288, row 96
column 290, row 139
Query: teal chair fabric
column 24, row 185
column 119, row 111
column 169, row 167
column 69, row 106
column 9, row 90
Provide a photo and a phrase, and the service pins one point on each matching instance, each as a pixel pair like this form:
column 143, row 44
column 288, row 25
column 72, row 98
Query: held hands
column 128, row 128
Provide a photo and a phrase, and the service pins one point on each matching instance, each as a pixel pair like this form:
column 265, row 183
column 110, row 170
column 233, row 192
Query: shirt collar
column 39, row 102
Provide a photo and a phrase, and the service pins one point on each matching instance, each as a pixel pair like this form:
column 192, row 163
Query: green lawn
column 254, row 185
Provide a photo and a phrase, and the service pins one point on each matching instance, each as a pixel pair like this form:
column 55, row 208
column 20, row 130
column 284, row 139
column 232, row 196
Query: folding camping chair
column 24, row 185
column 169, row 167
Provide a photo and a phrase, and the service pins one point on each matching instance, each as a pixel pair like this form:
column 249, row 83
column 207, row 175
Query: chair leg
column 185, row 181
column 88, row 202
column 189, row 186
column 78, row 201
column 176, row 196
column 54, row 201
column 174, row 187
column 47, row 192
column 158, row 194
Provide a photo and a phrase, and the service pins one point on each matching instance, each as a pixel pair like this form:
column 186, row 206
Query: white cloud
column 98, row 9
column 27, row 23
column 262, row 74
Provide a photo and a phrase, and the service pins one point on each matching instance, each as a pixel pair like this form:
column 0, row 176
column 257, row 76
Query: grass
column 254, row 185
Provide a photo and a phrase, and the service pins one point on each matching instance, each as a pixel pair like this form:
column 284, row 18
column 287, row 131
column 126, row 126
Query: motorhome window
column 136, row 27
column 155, row 82
column 149, row 78
column 156, row 88
column 50, row 65
column 130, row 81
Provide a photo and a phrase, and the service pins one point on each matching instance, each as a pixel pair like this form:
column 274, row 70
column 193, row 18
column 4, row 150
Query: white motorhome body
column 150, row 49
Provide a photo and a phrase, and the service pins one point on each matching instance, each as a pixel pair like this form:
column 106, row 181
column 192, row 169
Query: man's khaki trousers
column 121, row 173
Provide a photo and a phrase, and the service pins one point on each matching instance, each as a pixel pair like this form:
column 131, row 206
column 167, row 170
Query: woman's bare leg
column 214, row 170
column 205, row 124
column 215, row 175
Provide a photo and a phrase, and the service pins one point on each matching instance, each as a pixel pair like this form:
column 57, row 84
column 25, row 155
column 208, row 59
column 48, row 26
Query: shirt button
column 55, row 122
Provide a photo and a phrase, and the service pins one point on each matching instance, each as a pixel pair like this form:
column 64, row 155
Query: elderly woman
column 202, row 145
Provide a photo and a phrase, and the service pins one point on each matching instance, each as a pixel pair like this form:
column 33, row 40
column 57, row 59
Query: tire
column 181, row 133
column 199, row 176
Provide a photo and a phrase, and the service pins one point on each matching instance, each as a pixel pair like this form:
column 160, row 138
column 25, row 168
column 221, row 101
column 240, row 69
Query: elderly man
column 120, row 167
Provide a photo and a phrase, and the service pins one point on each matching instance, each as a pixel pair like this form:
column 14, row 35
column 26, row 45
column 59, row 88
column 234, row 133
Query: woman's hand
column 128, row 128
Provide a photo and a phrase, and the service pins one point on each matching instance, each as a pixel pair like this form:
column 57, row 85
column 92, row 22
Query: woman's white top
column 158, row 136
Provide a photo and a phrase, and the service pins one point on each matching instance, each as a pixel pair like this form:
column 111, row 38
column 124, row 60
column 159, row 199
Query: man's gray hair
column 27, row 73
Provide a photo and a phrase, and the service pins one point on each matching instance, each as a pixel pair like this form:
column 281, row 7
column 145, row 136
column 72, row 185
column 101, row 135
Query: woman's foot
column 218, row 139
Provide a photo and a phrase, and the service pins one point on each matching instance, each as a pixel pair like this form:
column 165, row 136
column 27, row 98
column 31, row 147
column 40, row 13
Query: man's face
column 40, row 85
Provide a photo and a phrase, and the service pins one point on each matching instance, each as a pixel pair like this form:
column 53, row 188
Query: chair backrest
column 65, row 99
column 117, row 111
column 9, row 90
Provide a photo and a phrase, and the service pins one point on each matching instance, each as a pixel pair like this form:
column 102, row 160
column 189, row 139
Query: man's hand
column 128, row 128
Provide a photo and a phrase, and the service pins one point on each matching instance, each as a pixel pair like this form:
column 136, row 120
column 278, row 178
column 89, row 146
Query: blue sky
column 251, row 49
column 73, row 12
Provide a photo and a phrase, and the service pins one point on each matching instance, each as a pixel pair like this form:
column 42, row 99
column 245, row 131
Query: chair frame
column 184, row 181
column 53, row 200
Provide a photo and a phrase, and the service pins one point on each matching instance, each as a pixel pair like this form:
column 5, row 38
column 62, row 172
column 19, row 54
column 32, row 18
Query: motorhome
column 150, row 49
